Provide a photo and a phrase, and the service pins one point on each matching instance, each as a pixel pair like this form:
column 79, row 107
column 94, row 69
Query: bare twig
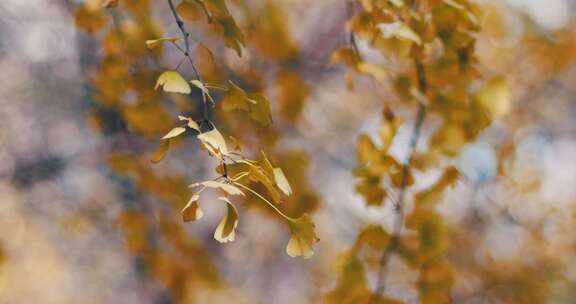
column 398, row 207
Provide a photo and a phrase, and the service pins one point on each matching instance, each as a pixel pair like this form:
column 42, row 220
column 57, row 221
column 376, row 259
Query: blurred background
column 86, row 218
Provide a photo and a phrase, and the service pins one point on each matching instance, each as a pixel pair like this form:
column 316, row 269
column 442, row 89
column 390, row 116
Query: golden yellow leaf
column 161, row 151
column 235, row 99
column 156, row 42
column 260, row 109
column 401, row 31
column 303, row 237
column 172, row 81
column 495, row 97
column 192, row 211
column 200, row 85
column 189, row 11
column 214, row 139
column 225, row 232
column 233, row 37
column 191, row 123
column 230, row 189
column 110, row 3
column 174, row 132
column 281, row 181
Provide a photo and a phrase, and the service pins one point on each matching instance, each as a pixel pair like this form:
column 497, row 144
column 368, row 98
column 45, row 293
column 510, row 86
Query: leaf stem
column 265, row 200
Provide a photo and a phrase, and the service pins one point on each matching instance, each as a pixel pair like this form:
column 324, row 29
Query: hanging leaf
column 225, row 232
column 495, row 97
column 189, row 11
column 231, row 33
column 230, row 189
column 303, row 237
column 235, row 99
column 260, row 109
column 200, row 85
column 281, row 181
column 151, row 44
column 110, row 3
column 192, row 211
column 160, row 153
column 174, row 132
column 191, row 123
column 214, row 139
column 171, row 81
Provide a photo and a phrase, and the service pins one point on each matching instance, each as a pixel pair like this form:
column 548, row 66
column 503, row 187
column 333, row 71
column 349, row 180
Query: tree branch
column 399, row 206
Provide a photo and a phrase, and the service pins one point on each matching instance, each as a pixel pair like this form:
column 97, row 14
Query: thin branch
column 399, row 206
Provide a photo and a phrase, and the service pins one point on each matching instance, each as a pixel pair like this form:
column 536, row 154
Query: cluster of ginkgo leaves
column 236, row 171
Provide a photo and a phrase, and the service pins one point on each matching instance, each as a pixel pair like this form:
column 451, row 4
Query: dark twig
column 398, row 207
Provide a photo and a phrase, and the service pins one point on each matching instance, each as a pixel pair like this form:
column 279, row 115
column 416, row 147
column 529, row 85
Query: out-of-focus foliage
column 438, row 135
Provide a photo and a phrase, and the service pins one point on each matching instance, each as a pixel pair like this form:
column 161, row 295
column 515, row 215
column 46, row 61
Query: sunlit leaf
column 191, row 123
column 215, row 139
column 228, row 188
column 225, row 232
column 495, row 97
column 110, row 3
column 157, row 42
column 303, row 237
column 174, row 132
column 200, row 85
column 172, row 81
column 281, row 181
column 192, row 211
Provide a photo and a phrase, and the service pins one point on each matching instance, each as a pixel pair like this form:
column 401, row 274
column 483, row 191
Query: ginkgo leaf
column 400, row 30
column 110, row 3
column 200, row 85
column 230, row 189
column 225, row 232
column 172, row 81
column 160, row 153
column 495, row 97
column 174, row 132
column 192, row 211
column 189, row 10
column 233, row 37
column 303, row 237
column 157, row 42
column 260, row 109
column 281, row 181
column 191, row 123
column 235, row 99
column 215, row 139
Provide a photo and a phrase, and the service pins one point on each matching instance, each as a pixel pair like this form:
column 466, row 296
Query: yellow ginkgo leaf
column 156, row 42
column 494, row 97
column 200, row 85
column 260, row 109
column 235, row 99
column 110, row 3
column 303, row 237
column 174, row 132
column 230, row 189
column 404, row 32
column 189, row 11
column 214, row 139
column 192, row 211
column 231, row 33
column 399, row 30
column 225, row 232
column 191, row 123
column 161, row 151
column 171, row 81
column 281, row 181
